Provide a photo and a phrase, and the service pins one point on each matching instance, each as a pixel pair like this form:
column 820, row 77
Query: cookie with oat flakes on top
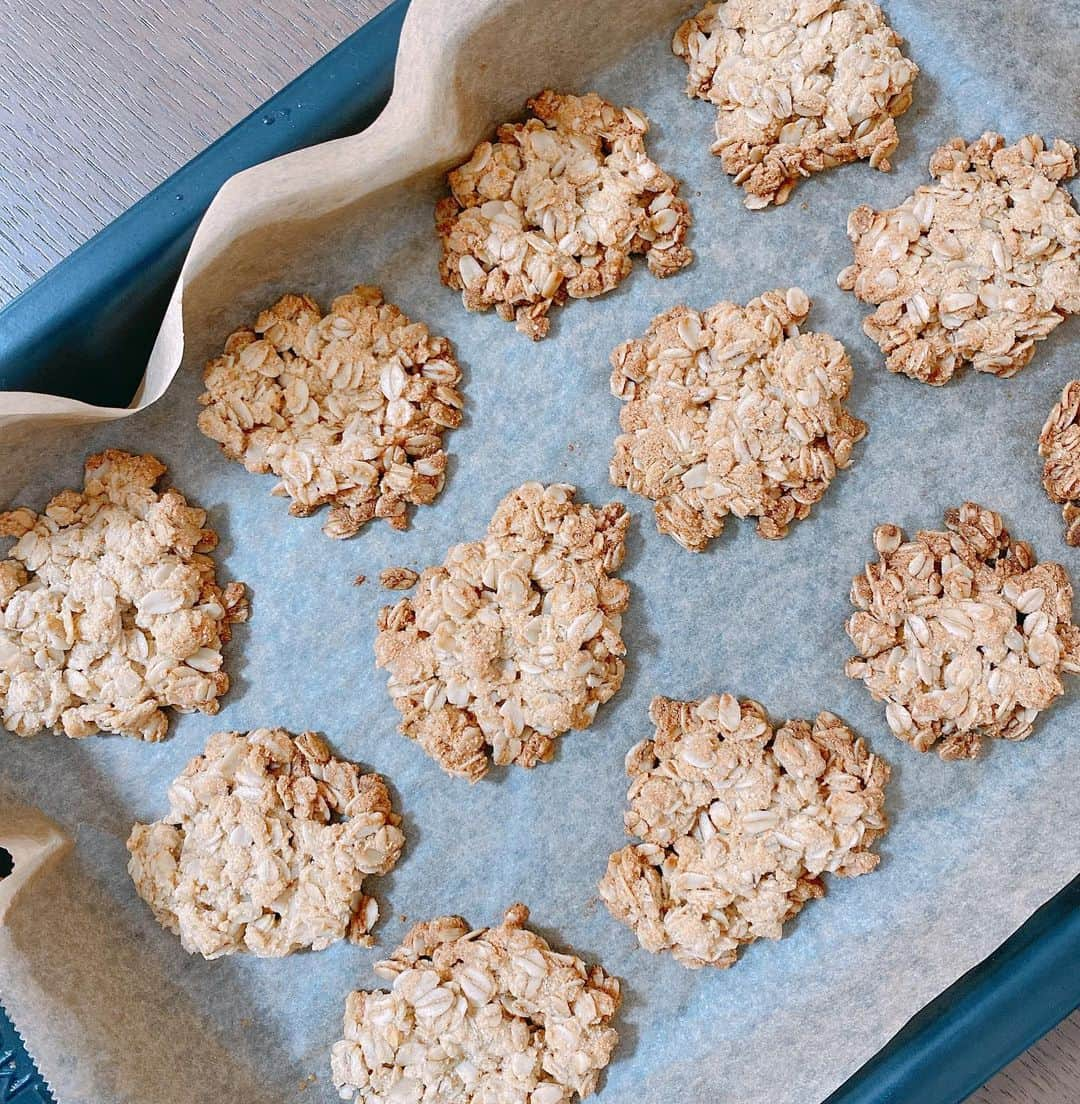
column 513, row 639
column 265, row 847
column 962, row 633
column 348, row 409
column 732, row 411
column 1059, row 443
column 739, row 821
column 555, row 208
column 110, row 608
column 475, row 1017
column 974, row 268
column 800, row 86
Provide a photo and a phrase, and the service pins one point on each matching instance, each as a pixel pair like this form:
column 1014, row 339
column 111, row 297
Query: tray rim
column 952, row 1045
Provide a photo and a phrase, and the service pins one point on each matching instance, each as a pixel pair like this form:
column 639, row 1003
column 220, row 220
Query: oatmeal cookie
column 962, row 633
column 732, row 410
column 554, row 209
column 1059, row 443
column 974, row 268
column 347, row 409
column 489, row 1016
column 110, row 609
column 515, row 638
column 265, row 847
column 800, row 86
column 739, row 822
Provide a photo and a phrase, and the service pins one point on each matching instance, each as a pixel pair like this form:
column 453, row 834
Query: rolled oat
column 110, row 610
column 515, row 638
column 348, row 408
column 739, row 821
column 800, row 86
column 398, row 578
column 265, row 847
column 732, row 410
column 974, row 268
column 489, row 1016
column 554, row 209
column 962, row 633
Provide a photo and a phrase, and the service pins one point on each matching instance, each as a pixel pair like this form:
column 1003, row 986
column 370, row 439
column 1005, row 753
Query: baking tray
column 102, row 307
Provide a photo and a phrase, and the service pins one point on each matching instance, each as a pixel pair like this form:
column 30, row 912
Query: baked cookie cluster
column 1059, row 443
column 265, row 847
column 347, row 409
column 732, row 411
column 555, row 209
column 476, row 1016
column 110, row 609
column 961, row 632
column 515, row 638
column 976, row 267
column 800, row 86
column 738, row 820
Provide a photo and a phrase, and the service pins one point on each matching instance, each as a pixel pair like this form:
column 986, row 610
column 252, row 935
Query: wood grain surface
column 100, row 100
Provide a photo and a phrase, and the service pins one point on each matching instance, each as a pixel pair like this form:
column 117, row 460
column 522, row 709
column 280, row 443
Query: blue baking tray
column 85, row 330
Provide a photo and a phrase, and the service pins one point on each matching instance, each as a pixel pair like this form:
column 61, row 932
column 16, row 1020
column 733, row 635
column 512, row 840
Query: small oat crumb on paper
column 962, row 633
column 359, row 580
column 974, row 268
column 475, row 1017
column 555, row 208
column 515, row 638
column 732, row 410
column 265, row 847
column 739, row 821
column 800, row 86
column 348, row 409
column 398, row 578
column 1059, row 444
column 110, row 608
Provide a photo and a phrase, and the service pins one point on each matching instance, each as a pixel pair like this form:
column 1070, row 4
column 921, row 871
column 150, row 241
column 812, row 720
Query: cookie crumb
column 359, row 580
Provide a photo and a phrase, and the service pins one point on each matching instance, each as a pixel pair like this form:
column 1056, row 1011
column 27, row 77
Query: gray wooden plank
column 100, row 100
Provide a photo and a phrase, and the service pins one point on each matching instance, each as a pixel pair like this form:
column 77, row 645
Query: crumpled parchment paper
column 111, row 1006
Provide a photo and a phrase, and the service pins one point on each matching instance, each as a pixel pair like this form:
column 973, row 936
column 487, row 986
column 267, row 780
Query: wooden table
column 101, row 99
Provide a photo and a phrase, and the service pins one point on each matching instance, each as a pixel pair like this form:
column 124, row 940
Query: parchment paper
column 111, row 1006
